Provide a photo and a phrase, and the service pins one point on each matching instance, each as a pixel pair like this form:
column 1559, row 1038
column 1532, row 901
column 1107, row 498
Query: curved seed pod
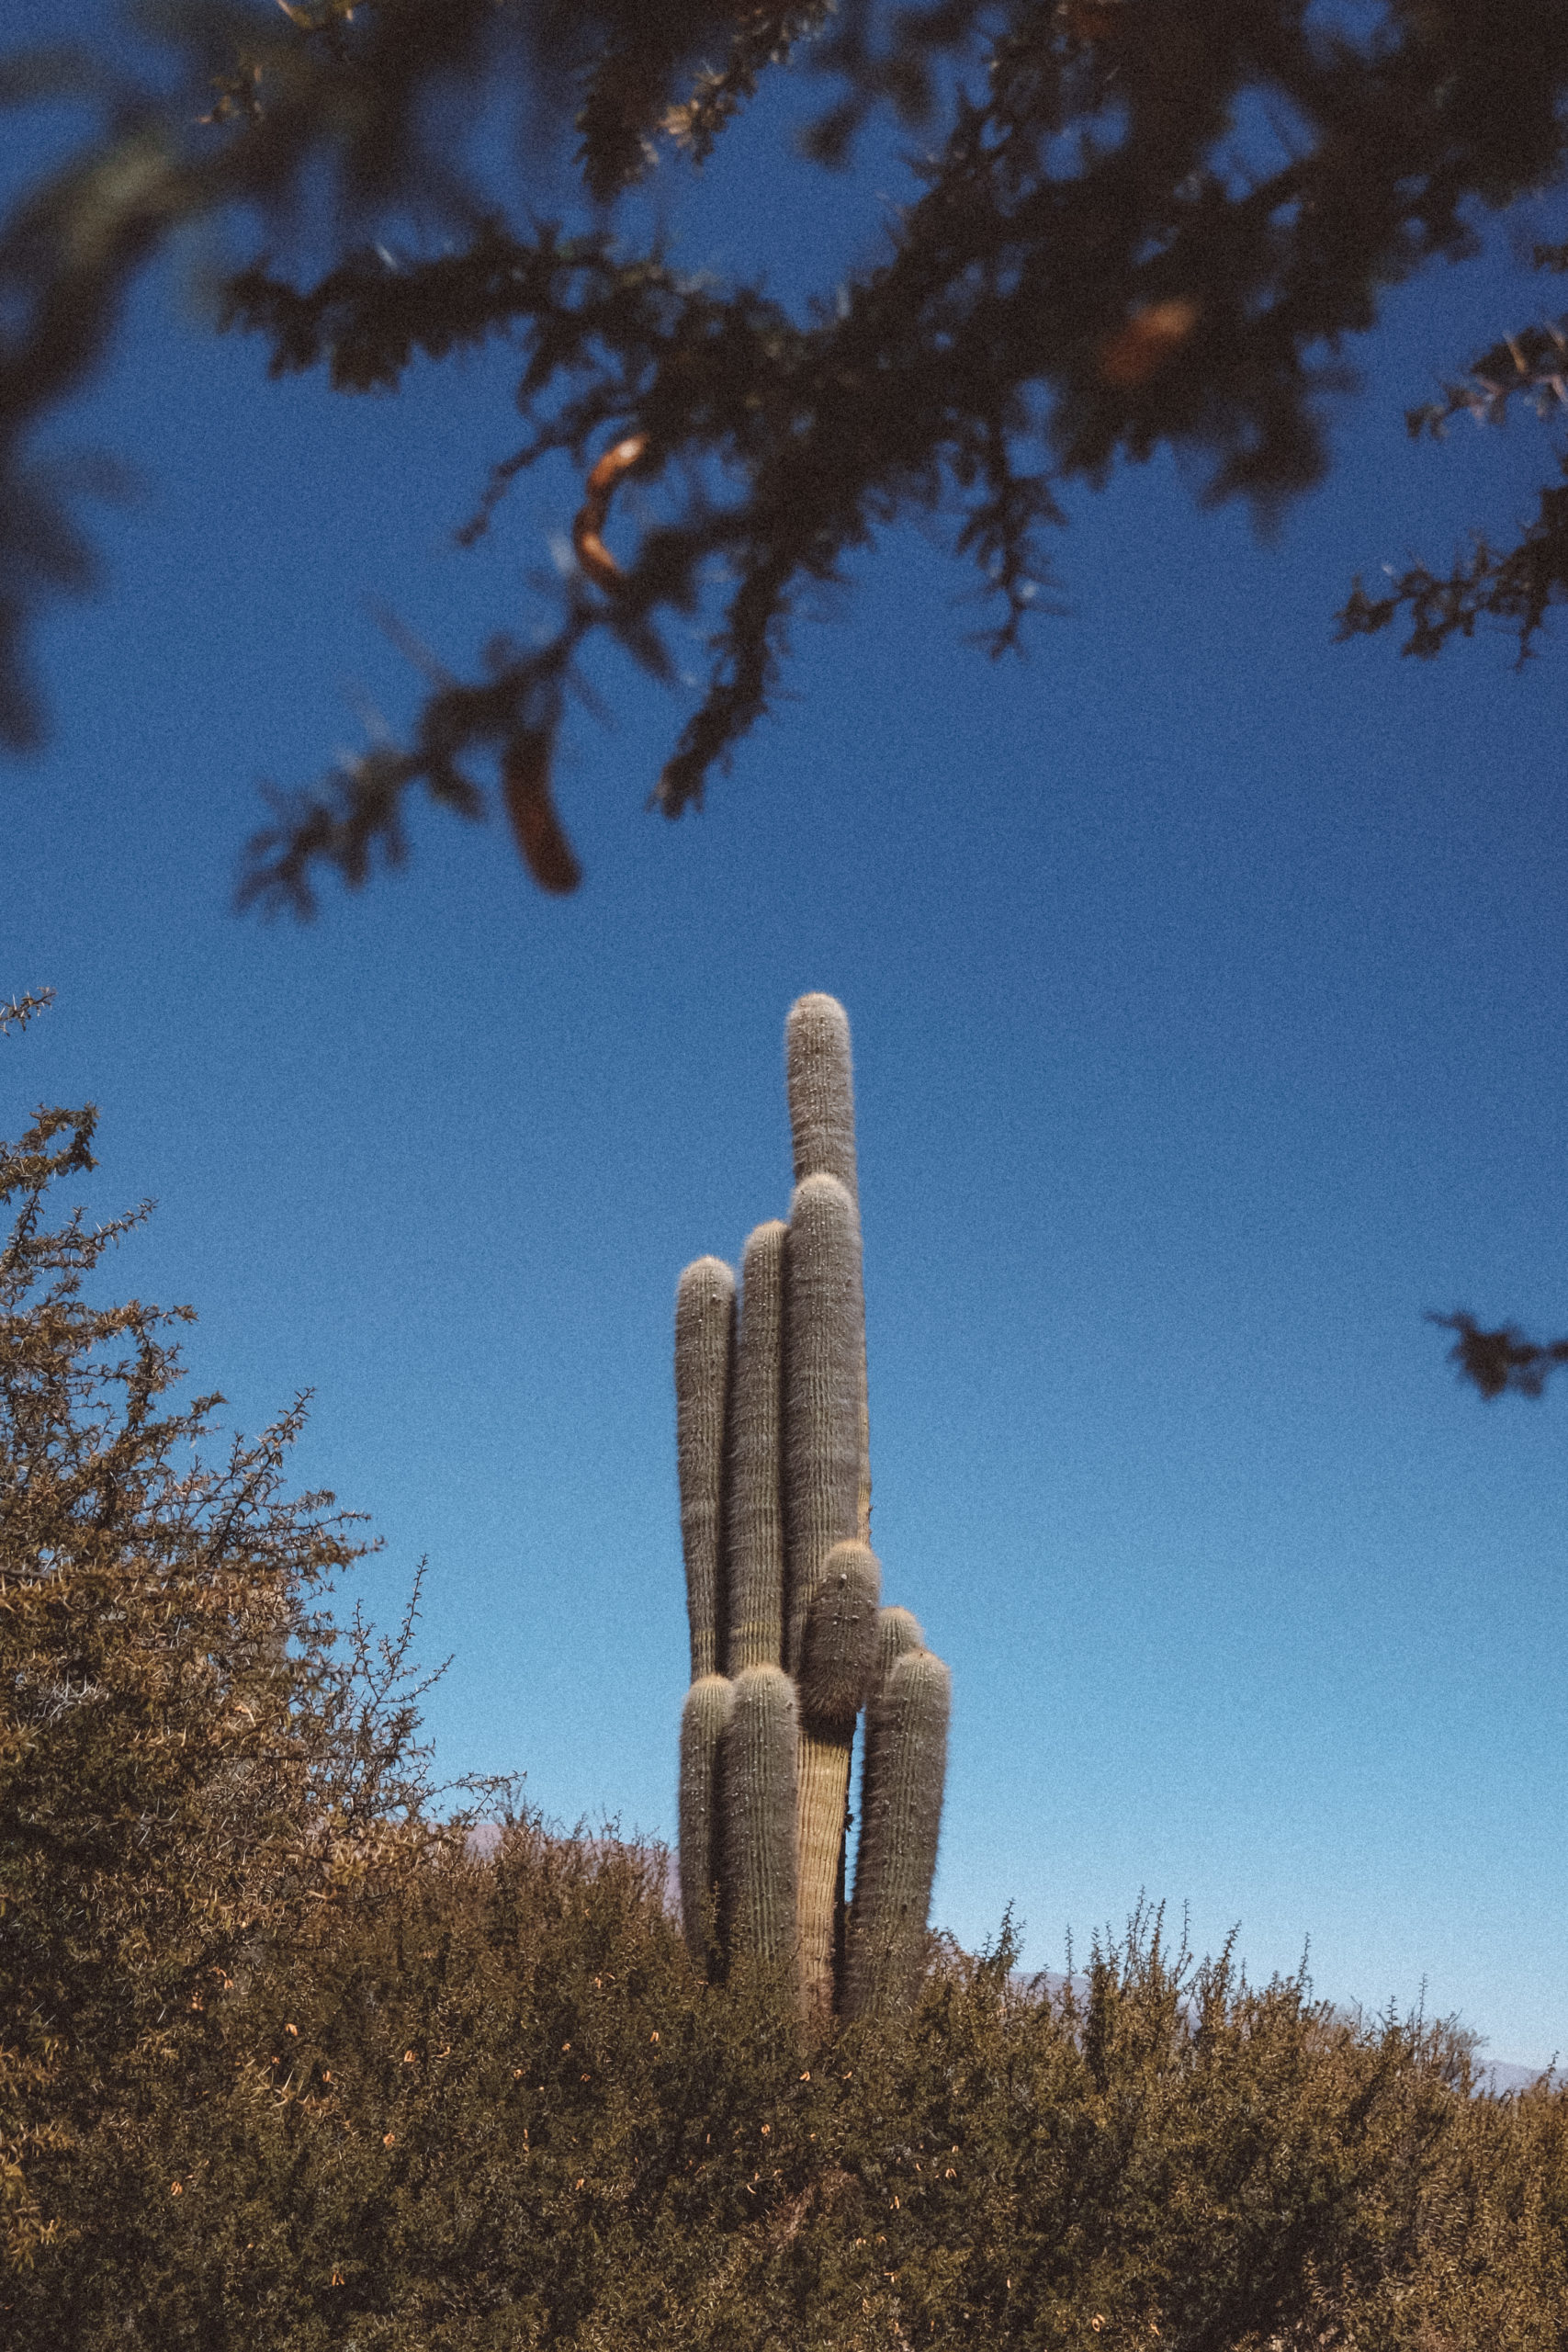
column 824, row 1354
column 820, row 1807
column 591, row 553
column 705, row 1325
column 820, row 1079
column 709, row 1705
column 839, row 1648
column 757, row 1848
column 906, row 1762
column 526, row 794
column 754, row 1542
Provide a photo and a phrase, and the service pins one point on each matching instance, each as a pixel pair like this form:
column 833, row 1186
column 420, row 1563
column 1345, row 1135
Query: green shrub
column 193, row 1762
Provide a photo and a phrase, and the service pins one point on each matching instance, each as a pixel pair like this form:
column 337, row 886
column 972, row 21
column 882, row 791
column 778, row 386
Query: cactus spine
column 788, row 1642
column 704, row 1718
column 704, row 1327
column 906, row 1758
column 755, row 1526
column 757, row 1855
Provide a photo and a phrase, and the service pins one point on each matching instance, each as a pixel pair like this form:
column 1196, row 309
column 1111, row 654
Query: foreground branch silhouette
column 1137, row 225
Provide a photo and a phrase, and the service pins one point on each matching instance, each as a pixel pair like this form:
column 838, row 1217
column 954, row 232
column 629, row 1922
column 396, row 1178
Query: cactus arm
column 837, row 1656
column 839, row 1648
column 710, row 1703
column 824, row 1347
column 824, row 1354
column 704, row 1325
column 897, row 1629
column 819, row 1076
column 906, row 1761
column 754, row 1540
column 758, row 1797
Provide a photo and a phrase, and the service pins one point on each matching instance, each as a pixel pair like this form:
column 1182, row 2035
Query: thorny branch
column 1098, row 264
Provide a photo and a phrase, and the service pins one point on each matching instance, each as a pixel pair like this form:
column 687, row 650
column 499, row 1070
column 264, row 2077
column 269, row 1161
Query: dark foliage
column 1502, row 1363
column 1142, row 223
column 1517, row 585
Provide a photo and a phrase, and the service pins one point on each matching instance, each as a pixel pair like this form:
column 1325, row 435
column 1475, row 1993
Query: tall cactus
column 789, row 1643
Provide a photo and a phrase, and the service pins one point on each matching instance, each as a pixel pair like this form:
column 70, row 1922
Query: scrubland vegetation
column 286, row 2063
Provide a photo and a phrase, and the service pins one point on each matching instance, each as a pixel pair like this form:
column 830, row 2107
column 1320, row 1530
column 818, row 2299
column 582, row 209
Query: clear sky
column 1207, row 983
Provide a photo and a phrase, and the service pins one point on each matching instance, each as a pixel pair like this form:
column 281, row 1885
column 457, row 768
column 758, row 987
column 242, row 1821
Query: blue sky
column 1207, row 983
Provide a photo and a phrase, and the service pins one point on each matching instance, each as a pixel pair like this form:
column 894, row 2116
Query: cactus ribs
column 789, row 1641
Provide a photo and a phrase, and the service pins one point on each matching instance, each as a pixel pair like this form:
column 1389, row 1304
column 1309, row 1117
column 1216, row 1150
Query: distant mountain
column 1496, row 2076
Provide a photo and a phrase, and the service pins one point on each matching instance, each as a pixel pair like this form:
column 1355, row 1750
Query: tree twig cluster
column 1138, row 224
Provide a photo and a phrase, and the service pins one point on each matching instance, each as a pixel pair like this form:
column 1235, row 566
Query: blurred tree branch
column 1517, row 585
column 1108, row 256
column 1501, row 1362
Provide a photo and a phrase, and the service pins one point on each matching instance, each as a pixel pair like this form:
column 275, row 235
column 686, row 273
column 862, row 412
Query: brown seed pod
column 590, row 551
column 525, row 788
column 1093, row 20
column 1151, row 337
